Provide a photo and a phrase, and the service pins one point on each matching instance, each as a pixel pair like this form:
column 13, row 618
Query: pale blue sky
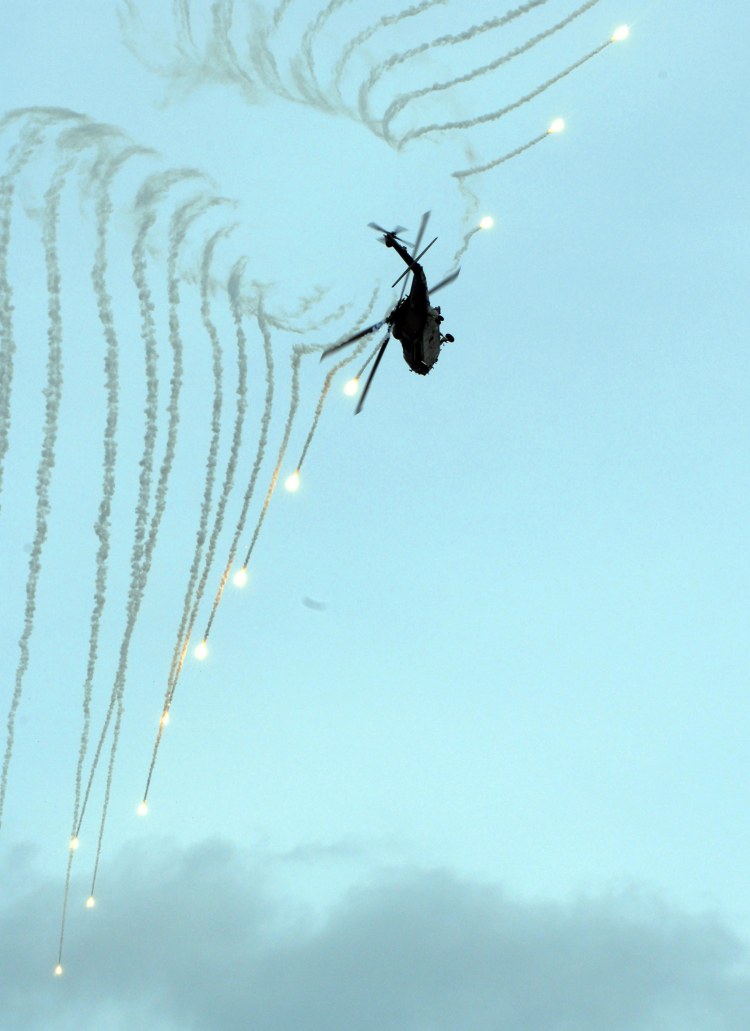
column 531, row 671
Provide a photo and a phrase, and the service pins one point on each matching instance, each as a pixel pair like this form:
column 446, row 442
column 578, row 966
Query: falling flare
column 74, row 843
column 620, row 33
column 292, row 482
column 164, row 720
column 351, row 386
column 142, row 809
column 487, row 222
column 557, row 125
column 58, row 970
column 90, row 902
column 201, row 651
column 240, row 577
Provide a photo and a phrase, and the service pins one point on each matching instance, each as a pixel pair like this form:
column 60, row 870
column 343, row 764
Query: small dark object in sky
column 414, row 322
column 310, row 603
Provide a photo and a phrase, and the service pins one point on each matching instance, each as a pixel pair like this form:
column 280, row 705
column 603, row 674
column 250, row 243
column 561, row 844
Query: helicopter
column 414, row 322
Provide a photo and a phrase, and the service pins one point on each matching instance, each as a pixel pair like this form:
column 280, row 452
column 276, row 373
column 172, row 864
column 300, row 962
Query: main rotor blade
column 417, row 242
column 445, row 282
column 350, row 340
column 386, row 232
column 374, row 369
column 420, row 232
column 403, row 288
column 370, row 357
column 418, row 258
column 390, row 232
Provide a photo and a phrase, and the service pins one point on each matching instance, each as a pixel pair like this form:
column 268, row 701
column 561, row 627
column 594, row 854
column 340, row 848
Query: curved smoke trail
column 221, row 58
column 356, row 351
column 262, row 441
column 493, row 116
column 189, row 614
column 193, row 592
column 180, row 222
column 298, row 354
column 53, row 398
column 104, row 177
column 303, row 64
column 361, row 38
column 196, row 593
column 397, row 105
column 153, row 191
column 31, row 137
column 450, row 39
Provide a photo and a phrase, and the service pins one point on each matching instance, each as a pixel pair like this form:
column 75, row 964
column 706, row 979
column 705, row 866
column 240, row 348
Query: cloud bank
column 194, row 939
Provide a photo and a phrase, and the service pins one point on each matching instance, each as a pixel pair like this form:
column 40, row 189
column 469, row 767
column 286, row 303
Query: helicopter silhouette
column 414, row 322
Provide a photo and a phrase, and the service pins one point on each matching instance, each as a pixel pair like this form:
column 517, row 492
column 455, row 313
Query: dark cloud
column 194, row 939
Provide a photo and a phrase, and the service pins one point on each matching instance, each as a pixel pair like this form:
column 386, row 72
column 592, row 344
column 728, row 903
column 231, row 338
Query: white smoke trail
column 322, row 398
column 280, row 11
column 31, row 137
column 477, row 169
column 180, row 222
column 182, row 13
column 105, row 176
column 262, row 440
column 193, row 592
column 298, row 353
column 222, row 13
column 216, row 58
column 151, row 193
column 234, row 290
column 493, row 116
column 219, row 60
column 288, row 326
column 303, row 66
column 53, row 396
column 356, row 351
column 361, row 38
column 448, row 40
column 189, row 614
column 397, row 105
column 262, row 55
column 111, row 370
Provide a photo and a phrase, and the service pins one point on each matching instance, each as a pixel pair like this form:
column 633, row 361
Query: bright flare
column 292, row 482
column 201, row 651
column 90, row 902
column 487, row 222
column 58, row 970
column 240, row 577
column 165, row 719
column 142, row 808
column 74, row 843
column 620, row 34
column 557, row 126
column 351, row 386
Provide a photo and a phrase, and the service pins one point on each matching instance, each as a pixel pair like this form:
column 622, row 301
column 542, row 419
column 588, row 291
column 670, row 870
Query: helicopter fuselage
column 414, row 322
